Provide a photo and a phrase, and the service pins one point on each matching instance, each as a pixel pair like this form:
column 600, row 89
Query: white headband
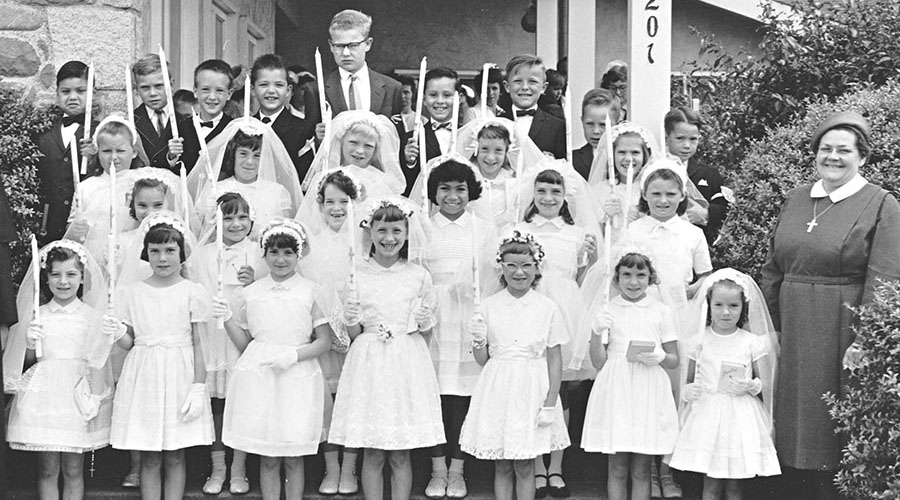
column 76, row 248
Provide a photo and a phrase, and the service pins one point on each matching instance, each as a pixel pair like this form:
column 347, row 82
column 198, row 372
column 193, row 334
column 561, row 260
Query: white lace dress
column 388, row 394
column 502, row 419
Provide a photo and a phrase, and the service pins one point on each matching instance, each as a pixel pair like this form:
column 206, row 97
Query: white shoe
column 330, row 484
column 437, row 486
column 456, row 486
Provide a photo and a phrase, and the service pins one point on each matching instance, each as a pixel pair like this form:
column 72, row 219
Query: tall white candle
column 629, row 188
column 484, row 89
column 220, row 259
column 167, row 82
column 476, row 271
column 185, row 196
column 76, row 179
column 454, row 121
column 247, row 97
column 320, row 83
column 420, row 96
column 567, row 113
column 129, row 95
column 610, row 154
column 111, row 239
column 36, row 267
column 88, row 104
column 351, row 235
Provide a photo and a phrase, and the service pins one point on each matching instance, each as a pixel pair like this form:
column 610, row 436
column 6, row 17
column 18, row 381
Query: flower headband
column 76, row 248
column 156, row 174
column 676, row 167
column 537, row 251
column 732, row 275
column 283, row 226
column 116, row 118
column 632, row 128
column 357, row 185
column 157, row 218
column 252, row 127
column 451, row 156
column 384, row 203
column 620, row 252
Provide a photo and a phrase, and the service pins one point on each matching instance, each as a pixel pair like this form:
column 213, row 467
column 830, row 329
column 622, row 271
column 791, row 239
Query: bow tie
column 525, row 112
column 70, row 120
column 208, row 124
column 438, row 126
column 266, row 119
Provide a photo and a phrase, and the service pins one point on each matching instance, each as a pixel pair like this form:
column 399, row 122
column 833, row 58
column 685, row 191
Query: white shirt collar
column 842, row 193
column 516, row 108
column 287, row 284
column 152, row 114
column 539, row 220
column 274, row 116
column 69, row 308
column 362, row 73
column 442, row 221
column 646, row 301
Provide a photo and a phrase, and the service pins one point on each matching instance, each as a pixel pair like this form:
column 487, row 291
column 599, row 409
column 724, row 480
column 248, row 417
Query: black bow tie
column 266, row 119
column 208, row 124
column 438, row 126
column 525, row 112
column 69, row 120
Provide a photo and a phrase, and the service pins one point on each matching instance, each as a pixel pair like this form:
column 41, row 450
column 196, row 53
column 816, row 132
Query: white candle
column 76, row 179
column 129, row 95
column 520, row 169
column 629, row 188
column 88, row 104
column 423, row 160
column 567, row 112
column 351, row 234
column 484, row 89
column 220, row 259
column 420, row 96
column 247, row 97
column 111, row 240
column 185, row 197
column 454, row 121
column 476, row 274
column 320, row 83
column 610, row 154
column 167, row 82
column 36, row 268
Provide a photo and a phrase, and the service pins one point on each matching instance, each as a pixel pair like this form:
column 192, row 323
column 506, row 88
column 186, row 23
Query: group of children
column 360, row 301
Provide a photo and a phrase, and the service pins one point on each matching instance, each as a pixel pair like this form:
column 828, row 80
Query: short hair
column 441, row 72
column 551, row 176
column 453, row 171
column 638, row 260
column 71, row 69
column 140, row 185
column 232, row 203
column 163, row 233
column 351, row 19
column 682, row 114
column 519, row 248
column 605, row 98
column 616, row 71
column 495, row 131
column 862, row 141
column 494, row 76
column 146, row 65
column 666, row 175
column 267, row 61
column 111, row 127
column 217, row 66
column 745, row 305
column 58, row 254
column 406, row 80
column 339, row 180
column 645, row 148
column 390, row 213
column 555, row 78
column 184, row 95
column 281, row 240
column 240, row 140
column 529, row 60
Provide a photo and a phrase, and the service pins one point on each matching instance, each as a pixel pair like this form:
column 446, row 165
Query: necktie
column 352, row 102
column 208, row 124
column 525, row 112
column 438, row 126
column 266, row 120
column 69, row 120
column 160, row 121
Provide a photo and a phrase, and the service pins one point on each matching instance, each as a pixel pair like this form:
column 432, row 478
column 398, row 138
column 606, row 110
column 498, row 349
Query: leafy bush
column 868, row 413
column 20, row 123
column 782, row 160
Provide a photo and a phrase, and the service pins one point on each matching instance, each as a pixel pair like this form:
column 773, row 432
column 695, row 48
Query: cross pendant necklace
column 812, row 224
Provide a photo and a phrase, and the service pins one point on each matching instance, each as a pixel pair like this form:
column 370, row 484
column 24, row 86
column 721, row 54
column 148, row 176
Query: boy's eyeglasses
column 513, row 267
column 339, row 47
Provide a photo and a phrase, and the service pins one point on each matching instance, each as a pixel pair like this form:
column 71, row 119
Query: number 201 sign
column 650, row 10
column 650, row 50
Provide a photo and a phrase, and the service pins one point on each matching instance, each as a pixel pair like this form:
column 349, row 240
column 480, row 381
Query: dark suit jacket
column 294, row 132
column 549, row 133
column 155, row 146
column 432, row 150
column 385, row 94
column 192, row 141
column 582, row 159
column 709, row 183
column 57, row 188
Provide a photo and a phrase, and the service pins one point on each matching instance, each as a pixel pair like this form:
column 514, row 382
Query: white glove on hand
column 477, row 327
column 740, row 387
column 34, row 334
column 691, row 392
column 603, row 321
column 545, row 416
column 852, row 357
column 113, row 329
column 352, row 312
column 424, row 318
column 284, row 359
column 195, row 402
column 220, row 308
column 652, row 358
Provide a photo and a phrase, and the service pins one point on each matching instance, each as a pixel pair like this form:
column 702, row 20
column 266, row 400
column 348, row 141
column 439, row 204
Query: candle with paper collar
column 129, row 95
column 484, row 86
column 351, row 234
column 88, row 104
column 220, row 259
column 320, row 83
column 567, row 112
column 111, row 239
column 420, row 96
column 167, row 82
column 610, row 154
column 629, row 190
column 247, row 97
column 36, row 267
column 454, row 121
column 76, row 180
column 185, row 197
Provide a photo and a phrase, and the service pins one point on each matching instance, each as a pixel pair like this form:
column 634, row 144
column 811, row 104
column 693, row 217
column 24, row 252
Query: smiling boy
column 212, row 87
column 525, row 81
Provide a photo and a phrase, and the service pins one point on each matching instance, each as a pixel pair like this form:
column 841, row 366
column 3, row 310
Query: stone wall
column 38, row 36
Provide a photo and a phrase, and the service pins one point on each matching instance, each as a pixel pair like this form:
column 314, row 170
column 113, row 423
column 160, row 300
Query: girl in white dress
column 631, row 412
column 459, row 242
column 516, row 414
column 388, row 400
column 727, row 429
column 326, row 214
column 63, row 401
column 241, row 267
column 276, row 393
column 161, row 405
column 365, row 144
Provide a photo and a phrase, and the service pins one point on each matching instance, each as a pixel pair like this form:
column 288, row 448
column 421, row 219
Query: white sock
column 348, row 466
column 332, row 465
column 456, row 466
column 218, row 464
column 239, row 464
column 439, row 466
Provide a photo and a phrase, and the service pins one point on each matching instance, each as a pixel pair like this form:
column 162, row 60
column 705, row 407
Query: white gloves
column 545, row 416
column 691, row 392
column 745, row 386
column 113, row 329
column 352, row 312
column 652, row 358
column 220, row 308
column 284, row 359
column 424, row 318
column 477, row 328
column 197, row 399
column 34, row 334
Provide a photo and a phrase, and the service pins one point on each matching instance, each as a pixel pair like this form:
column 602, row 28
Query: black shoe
column 542, row 491
column 558, row 491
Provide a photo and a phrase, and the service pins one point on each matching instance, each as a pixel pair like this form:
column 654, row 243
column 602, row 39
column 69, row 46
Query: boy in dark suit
column 526, row 81
column 596, row 105
column 437, row 104
column 212, row 87
column 151, row 118
column 57, row 187
column 269, row 78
